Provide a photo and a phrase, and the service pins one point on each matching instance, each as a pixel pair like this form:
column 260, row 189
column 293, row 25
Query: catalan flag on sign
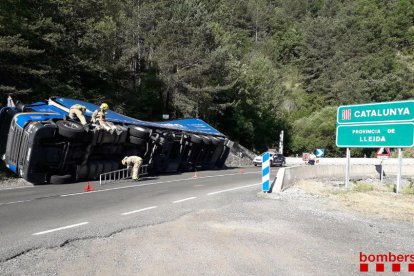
column 346, row 114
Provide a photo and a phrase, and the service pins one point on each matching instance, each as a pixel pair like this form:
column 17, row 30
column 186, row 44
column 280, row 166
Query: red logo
column 386, row 262
column 346, row 114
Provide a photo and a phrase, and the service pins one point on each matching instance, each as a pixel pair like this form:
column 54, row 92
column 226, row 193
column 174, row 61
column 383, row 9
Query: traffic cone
column 195, row 174
column 89, row 188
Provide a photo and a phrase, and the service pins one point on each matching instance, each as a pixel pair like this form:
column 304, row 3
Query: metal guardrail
column 108, row 177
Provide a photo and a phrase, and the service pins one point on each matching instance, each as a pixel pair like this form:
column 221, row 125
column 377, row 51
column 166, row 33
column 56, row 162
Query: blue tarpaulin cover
column 62, row 105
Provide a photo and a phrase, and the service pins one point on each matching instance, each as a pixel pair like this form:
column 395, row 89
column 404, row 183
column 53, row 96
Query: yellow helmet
column 104, row 106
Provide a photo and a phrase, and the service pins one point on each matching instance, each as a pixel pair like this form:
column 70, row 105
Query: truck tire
column 99, row 168
column 214, row 140
column 108, row 138
column 206, row 140
column 195, row 139
column 139, row 132
column 137, row 141
column 114, row 165
column 82, row 172
column 70, row 129
column 60, row 179
column 92, row 166
column 121, row 134
column 107, row 166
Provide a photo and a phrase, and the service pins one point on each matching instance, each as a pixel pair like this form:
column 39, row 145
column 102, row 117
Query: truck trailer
column 42, row 145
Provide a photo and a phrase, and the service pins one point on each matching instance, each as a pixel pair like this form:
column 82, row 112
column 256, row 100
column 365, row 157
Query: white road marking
column 140, row 210
column 81, row 193
column 185, row 199
column 134, row 186
column 154, row 183
column 232, row 189
column 13, row 188
column 60, row 228
column 20, row 201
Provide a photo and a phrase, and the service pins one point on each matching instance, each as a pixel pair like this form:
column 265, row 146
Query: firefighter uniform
column 78, row 110
column 135, row 162
column 99, row 117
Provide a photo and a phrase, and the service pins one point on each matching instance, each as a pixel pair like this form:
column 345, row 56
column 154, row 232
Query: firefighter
column 78, row 110
column 135, row 162
column 99, row 117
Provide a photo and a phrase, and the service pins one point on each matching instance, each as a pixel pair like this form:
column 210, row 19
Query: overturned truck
column 39, row 143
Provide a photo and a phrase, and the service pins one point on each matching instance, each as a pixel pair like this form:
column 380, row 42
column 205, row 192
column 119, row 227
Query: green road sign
column 375, row 135
column 376, row 113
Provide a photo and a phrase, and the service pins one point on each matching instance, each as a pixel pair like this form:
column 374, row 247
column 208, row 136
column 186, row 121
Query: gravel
column 12, row 182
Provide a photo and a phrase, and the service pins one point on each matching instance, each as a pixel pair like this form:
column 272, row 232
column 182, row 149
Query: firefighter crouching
column 78, row 111
column 135, row 162
column 99, row 117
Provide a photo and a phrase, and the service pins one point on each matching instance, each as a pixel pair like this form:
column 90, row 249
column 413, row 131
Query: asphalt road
column 52, row 215
column 217, row 224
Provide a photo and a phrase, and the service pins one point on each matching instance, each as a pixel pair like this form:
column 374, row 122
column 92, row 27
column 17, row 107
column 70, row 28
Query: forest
column 250, row 68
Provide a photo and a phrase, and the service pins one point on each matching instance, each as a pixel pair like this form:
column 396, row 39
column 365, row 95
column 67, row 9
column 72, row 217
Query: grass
column 362, row 187
column 409, row 190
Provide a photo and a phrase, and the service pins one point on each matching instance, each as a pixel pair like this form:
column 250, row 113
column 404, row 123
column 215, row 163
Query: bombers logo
column 379, row 261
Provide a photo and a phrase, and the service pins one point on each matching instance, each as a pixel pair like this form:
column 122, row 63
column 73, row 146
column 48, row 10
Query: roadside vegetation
column 368, row 197
column 250, row 68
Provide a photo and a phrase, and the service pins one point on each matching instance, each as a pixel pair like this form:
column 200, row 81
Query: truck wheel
column 196, row 139
column 206, row 140
column 137, row 141
column 92, row 167
column 70, row 129
column 60, row 179
column 82, row 172
column 139, row 132
column 214, row 140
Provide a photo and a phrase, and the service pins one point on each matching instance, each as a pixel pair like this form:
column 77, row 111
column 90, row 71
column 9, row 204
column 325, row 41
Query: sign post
column 266, row 172
column 383, row 154
column 399, row 170
column 281, row 136
column 388, row 124
column 348, row 164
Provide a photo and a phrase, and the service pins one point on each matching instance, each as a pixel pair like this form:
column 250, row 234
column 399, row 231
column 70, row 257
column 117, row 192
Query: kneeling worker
column 134, row 161
column 78, row 110
column 99, row 117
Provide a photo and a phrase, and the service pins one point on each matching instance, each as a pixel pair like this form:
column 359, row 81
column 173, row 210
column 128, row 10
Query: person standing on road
column 78, row 111
column 312, row 159
column 135, row 162
column 99, row 117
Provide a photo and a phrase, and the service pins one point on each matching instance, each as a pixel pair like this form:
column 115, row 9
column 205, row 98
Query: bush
column 363, row 187
column 409, row 189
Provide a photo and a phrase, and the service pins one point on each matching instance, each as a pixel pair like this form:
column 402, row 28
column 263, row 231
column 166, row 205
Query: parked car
column 279, row 160
column 276, row 159
column 39, row 143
